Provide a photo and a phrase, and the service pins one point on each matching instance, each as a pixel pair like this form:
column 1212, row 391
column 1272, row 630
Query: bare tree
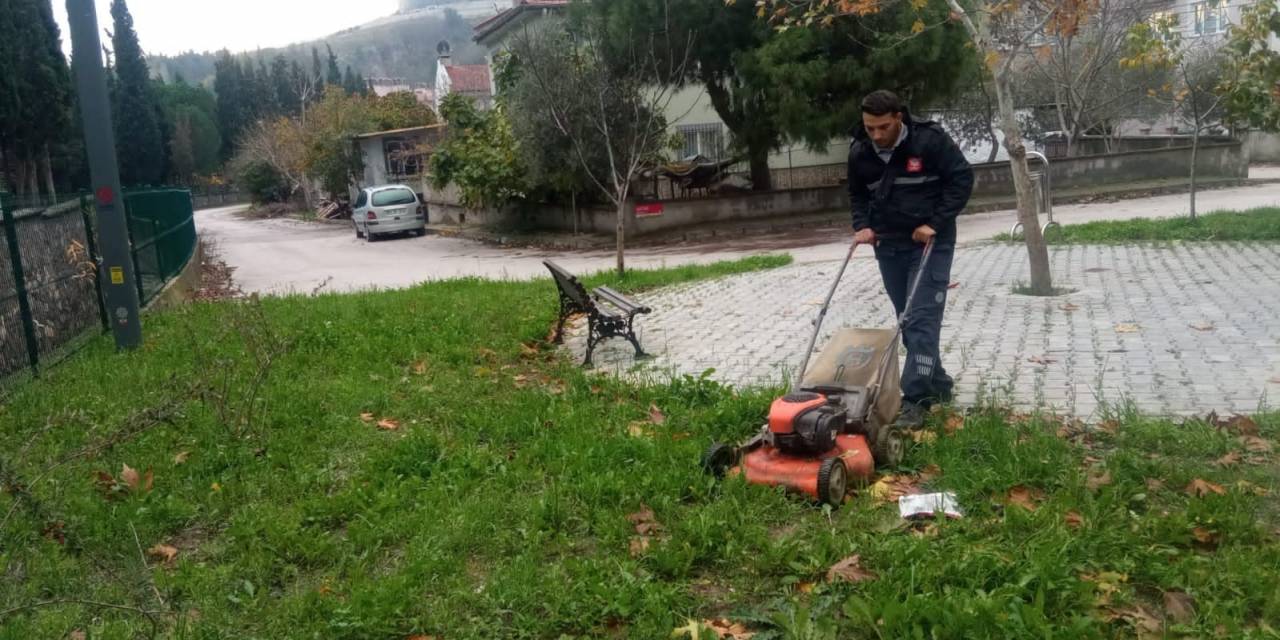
column 1079, row 63
column 1193, row 96
column 281, row 144
column 607, row 101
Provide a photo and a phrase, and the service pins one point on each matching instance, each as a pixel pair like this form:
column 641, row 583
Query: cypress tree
column 140, row 143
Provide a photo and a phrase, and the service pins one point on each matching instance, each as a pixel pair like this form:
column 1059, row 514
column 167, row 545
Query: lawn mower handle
column 822, row 313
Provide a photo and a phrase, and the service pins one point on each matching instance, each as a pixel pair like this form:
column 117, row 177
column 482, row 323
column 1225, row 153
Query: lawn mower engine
column 804, row 424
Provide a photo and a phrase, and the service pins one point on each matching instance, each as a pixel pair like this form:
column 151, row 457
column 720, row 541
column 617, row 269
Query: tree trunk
column 621, row 232
column 761, row 178
column 995, row 145
column 1037, row 251
column 573, row 199
column 48, row 176
column 33, row 180
column 1195, row 149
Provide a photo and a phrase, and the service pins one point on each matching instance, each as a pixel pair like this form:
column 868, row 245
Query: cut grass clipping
column 1257, row 225
column 417, row 463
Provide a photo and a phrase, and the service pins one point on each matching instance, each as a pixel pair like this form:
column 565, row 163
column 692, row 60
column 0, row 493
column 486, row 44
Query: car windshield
column 393, row 197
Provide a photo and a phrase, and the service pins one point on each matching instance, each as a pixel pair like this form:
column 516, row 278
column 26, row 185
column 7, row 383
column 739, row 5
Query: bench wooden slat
column 627, row 305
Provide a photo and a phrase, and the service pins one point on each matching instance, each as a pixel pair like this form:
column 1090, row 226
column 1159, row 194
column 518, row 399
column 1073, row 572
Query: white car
column 394, row 208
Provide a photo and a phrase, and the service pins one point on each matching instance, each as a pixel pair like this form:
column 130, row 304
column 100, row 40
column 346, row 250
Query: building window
column 404, row 157
column 1211, row 17
column 706, row 140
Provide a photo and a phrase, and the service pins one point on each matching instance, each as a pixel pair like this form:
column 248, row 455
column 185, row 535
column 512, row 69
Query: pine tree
column 335, row 74
column 138, row 134
column 317, row 75
column 35, row 94
column 286, row 98
column 228, row 84
column 349, row 82
column 364, row 86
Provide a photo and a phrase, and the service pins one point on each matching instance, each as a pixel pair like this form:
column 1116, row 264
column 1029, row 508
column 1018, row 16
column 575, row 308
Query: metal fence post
column 92, row 240
column 133, row 254
column 19, row 283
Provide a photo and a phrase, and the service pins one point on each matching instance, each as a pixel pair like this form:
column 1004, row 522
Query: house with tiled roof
column 471, row 80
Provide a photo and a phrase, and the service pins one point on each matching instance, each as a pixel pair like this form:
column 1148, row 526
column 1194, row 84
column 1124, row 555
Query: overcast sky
column 174, row 26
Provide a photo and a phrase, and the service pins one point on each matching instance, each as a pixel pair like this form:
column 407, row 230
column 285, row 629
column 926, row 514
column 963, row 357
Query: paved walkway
column 1175, row 330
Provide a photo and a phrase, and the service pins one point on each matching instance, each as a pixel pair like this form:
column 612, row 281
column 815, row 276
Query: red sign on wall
column 648, row 209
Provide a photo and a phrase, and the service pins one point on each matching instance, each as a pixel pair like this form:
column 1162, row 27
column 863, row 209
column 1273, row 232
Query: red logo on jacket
column 915, row 165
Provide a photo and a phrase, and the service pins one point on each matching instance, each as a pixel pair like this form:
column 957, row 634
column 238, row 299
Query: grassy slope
column 499, row 508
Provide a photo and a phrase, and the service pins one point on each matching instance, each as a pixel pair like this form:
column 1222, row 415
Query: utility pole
column 116, row 271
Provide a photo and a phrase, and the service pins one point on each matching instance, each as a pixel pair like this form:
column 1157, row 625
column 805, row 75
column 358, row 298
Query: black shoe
column 911, row 416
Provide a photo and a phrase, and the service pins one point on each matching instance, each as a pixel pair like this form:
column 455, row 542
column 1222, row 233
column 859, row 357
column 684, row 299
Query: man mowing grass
column 908, row 180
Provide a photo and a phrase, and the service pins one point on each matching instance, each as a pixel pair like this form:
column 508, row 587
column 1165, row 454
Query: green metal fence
column 162, row 231
column 50, row 296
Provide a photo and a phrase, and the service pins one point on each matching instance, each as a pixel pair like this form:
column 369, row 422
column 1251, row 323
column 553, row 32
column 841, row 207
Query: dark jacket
column 930, row 182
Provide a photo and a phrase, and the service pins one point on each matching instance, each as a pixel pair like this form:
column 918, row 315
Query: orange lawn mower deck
column 838, row 424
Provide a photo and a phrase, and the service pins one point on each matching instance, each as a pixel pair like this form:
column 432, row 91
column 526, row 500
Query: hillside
column 402, row 46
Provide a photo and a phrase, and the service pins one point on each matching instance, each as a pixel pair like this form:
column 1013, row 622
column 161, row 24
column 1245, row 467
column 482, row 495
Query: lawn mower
column 836, row 424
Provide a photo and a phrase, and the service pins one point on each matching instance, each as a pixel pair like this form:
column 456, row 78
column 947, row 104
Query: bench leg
column 635, row 342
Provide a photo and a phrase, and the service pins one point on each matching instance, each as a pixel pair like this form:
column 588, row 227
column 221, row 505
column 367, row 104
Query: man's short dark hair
column 880, row 103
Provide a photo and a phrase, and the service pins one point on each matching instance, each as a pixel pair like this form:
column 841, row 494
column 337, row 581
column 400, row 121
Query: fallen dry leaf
column 1202, row 326
column 521, row 381
column 891, row 487
column 724, row 628
column 388, row 424
column 1068, row 307
column 528, row 350
column 639, row 430
column 804, row 587
column 163, row 552
column 924, row 437
column 1110, row 426
column 1254, row 444
column 1180, row 607
column 954, row 423
column 644, row 520
column 1024, row 496
column 1244, row 486
column 129, row 477
column 1041, row 360
column 1127, row 327
column 1074, row 520
column 78, row 634
column 1142, row 619
column 1236, row 424
column 928, row 473
column 1154, row 484
column 1201, row 488
column 181, row 458
column 1205, row 536
column 656, row 416
column 487, row 354
column 849, row 570
column 954, row 285
column 1107, row 583
column 1232, row 458
column 367, row 417
column 639, row 544
column 420, row 368
column 1096, row 481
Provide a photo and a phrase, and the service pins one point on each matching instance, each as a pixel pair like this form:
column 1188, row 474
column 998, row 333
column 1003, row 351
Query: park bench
column 602, row 322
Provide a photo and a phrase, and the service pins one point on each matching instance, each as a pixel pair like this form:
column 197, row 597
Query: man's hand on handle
column 865, row 236
column 923, row 234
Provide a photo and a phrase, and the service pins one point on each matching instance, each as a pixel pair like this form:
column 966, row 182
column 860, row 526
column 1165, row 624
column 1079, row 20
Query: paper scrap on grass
column 927, row 504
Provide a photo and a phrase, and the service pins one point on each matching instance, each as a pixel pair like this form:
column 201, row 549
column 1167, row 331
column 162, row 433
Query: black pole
column 116, row 273
column 20, row 285
column 92, row 243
